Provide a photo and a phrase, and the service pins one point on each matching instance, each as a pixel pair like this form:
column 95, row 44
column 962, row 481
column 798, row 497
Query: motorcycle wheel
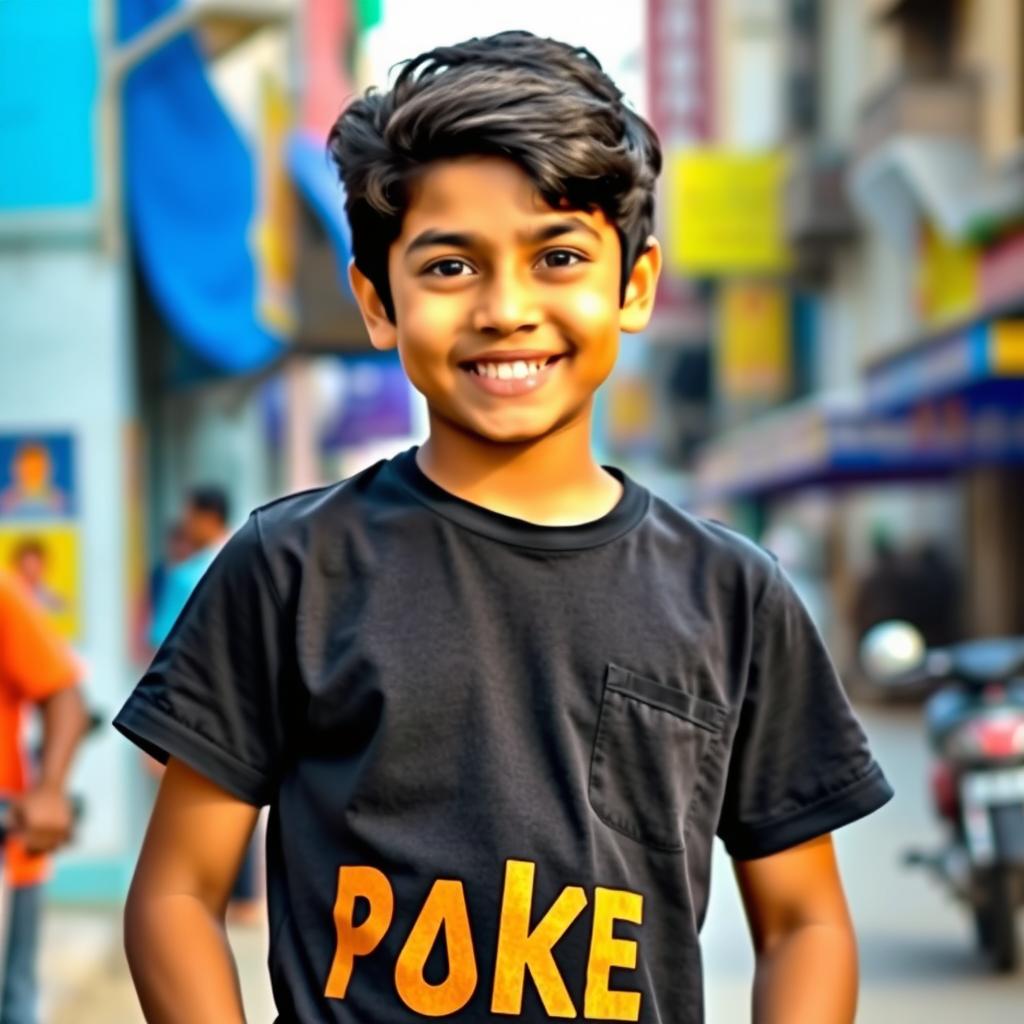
column 995, row 921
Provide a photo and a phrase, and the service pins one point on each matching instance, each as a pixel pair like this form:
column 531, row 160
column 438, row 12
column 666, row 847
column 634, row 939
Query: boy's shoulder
column 308, row 529
column 714, row 547
column 302, row 510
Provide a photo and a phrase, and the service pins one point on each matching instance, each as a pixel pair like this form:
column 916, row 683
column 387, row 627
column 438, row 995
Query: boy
column 499, row 698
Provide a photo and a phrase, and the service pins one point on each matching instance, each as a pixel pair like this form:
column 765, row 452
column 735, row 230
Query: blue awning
column 191, row 196
column 984, row 360
column 824, row 442
column 317, row 181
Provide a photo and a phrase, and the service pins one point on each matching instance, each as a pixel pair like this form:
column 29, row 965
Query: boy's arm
column 803, row 936
column 174, row 918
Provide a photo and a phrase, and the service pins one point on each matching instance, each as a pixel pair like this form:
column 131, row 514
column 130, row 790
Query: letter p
column 358, row 940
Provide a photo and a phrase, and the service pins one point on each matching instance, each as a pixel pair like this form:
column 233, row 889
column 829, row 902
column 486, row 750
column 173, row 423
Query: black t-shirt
column 496, row 753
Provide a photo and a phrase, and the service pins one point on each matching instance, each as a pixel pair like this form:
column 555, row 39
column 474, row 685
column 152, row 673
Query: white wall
column 751, row 78
column 613, row 32
column 65, row 366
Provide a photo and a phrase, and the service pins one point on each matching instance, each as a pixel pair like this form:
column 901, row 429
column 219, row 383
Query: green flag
column 368, row 13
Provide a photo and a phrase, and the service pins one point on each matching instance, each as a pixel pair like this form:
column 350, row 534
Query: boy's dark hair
column 541, row 103
column 212, row 499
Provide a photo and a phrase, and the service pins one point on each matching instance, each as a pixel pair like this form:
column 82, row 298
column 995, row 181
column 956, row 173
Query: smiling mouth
column 510, row 369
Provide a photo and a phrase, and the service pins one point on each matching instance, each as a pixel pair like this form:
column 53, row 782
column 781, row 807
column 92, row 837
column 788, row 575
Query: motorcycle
column 974, row 714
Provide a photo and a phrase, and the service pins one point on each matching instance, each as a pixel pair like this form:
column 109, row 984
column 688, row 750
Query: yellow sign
column 725, row 213
column 276, row 225
column 755, row 350
column 948, row 278
column 1007, row 348
column 45, row 559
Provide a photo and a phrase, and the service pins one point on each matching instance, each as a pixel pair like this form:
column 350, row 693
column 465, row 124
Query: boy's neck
column 554, row 481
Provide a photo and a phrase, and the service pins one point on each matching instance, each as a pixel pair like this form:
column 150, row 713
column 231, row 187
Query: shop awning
column 945, row 179
column 190, row 189
column 831, row 442
column 317, row 183
column 983, row 362
column 192, row 192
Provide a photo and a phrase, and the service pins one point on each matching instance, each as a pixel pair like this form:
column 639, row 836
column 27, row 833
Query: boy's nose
column 506, row 306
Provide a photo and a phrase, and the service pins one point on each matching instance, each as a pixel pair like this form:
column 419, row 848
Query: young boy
column 499, row 698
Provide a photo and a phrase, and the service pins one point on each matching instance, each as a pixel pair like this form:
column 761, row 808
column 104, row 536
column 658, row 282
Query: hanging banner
column 275, row 231
column 948, row 278
column 755, row 347
column 725, row 213
column 192, row 231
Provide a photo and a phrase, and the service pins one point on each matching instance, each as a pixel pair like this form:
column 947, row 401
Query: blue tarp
column 317, row 181
column 191, row 194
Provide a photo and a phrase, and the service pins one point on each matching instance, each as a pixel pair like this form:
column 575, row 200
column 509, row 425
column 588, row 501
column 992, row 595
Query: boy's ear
column 383, row 333
column 643, row 282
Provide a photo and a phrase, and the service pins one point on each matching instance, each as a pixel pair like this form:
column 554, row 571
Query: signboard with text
column 725, row 213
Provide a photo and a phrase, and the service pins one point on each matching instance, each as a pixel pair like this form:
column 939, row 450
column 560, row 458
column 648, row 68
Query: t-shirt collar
column 627, row 513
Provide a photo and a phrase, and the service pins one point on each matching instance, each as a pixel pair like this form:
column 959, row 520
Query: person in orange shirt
column 36, row 668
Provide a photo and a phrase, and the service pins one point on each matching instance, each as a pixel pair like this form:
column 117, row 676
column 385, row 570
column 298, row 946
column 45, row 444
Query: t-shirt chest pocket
column 649, row 746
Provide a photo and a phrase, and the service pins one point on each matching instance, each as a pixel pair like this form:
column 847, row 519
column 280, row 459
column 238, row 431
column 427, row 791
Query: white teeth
column 518, row 370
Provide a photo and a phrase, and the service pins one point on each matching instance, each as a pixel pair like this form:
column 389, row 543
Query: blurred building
column 175, row 311
column 867, row 280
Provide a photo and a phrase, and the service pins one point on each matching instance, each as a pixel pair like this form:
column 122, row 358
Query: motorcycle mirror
column 891, row 649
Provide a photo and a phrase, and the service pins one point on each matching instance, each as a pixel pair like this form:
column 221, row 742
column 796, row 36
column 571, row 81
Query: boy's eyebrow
column 466, row 240
column 562, row 227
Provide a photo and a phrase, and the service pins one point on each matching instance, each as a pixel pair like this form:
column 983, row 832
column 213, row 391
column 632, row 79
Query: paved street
column 85, row 977
column 917, row 959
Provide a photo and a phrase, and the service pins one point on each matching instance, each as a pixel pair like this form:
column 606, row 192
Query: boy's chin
column 515, row 432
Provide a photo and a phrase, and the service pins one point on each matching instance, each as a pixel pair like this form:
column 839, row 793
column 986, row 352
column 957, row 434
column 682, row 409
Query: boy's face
column 507, row 311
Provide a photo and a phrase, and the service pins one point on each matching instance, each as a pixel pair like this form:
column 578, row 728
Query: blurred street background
column 835, row 367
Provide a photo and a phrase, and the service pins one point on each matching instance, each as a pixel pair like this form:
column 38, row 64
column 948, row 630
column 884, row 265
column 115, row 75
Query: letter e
column 606, row 952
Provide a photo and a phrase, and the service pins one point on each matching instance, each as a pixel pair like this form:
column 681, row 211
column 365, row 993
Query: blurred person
column 936, row 592
column 917, row 584
column 493, row 690
column 29, row 562
column 177, row 547
column 36, row 669
column 199, row 536
column 202, row 530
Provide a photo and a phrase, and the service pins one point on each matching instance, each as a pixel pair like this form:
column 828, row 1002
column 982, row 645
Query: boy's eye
column 558, row 258
column 449, row 268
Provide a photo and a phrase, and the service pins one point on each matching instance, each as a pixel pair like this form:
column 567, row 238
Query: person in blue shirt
column 204, row 526
column 204, row 530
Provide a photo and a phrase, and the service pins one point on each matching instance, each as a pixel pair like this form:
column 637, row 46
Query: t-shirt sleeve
column 34, row 659
column 212, row 697
column 800, row 765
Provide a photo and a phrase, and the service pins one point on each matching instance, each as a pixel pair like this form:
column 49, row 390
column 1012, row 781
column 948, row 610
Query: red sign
column 679, row 70
column 327, row 28
column 1002, row 273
